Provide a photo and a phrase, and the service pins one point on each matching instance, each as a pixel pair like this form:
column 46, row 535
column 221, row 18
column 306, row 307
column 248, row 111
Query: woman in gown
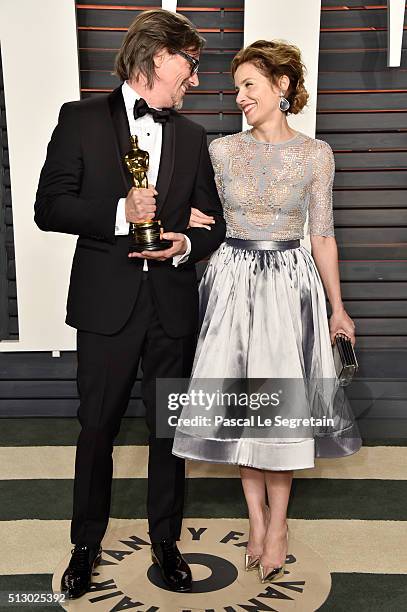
column 263, row 308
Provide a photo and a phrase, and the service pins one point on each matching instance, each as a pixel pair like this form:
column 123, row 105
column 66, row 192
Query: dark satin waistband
column 263, row 245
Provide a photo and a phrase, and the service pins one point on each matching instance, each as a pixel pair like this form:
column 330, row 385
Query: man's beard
column 178, row 104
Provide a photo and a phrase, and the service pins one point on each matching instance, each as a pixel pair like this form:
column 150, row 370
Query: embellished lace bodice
column 266, row 189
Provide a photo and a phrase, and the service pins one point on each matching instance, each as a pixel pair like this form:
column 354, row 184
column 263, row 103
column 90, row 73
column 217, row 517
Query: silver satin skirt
column 263, row 316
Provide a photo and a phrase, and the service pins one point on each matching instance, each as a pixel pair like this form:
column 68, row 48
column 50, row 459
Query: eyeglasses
column 192, row 60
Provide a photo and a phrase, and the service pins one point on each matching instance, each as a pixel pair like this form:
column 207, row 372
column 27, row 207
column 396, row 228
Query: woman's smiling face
column 256, row 95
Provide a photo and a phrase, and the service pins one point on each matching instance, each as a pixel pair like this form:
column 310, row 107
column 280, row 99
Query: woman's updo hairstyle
column 273, row 59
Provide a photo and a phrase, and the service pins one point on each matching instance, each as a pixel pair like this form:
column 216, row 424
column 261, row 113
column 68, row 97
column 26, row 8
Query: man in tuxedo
column 142, row 307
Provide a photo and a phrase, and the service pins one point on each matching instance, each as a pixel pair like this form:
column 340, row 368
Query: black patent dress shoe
column 174, row 569
column 77, row 577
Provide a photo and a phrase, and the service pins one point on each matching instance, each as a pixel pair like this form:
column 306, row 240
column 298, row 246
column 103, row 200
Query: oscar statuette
column 143, row 235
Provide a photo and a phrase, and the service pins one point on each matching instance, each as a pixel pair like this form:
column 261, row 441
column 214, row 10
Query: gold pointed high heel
column 251, row 562
column 275, row 573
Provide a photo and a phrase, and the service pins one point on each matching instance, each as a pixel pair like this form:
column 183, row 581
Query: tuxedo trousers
column 107, row 370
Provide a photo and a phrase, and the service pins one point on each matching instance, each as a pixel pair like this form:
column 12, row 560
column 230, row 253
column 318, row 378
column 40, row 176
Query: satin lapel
column 122, row 133
column 166, row 164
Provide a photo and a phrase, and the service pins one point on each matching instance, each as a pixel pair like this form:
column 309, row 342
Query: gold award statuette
column 144, row 235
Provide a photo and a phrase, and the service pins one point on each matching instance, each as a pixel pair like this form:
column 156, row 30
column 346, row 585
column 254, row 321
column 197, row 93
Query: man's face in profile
column 174, row 77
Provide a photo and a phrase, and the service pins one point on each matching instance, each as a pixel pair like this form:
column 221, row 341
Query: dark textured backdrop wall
column 361, row 113
column 8, row 300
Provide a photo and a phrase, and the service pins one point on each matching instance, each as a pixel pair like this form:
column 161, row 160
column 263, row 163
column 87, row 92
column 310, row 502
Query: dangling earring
column 284, row 104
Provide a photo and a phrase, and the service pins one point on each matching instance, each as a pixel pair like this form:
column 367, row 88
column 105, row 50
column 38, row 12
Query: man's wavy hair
column 149, row 33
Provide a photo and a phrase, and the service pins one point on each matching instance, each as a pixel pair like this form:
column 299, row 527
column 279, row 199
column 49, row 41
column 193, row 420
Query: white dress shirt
column 149, row 134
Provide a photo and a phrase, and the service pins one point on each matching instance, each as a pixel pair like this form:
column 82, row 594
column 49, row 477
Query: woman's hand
column 341, row 323
column 199, row 219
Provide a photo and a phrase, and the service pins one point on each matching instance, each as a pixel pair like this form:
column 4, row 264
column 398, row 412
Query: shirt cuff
column 179, row 259
column 121, row 226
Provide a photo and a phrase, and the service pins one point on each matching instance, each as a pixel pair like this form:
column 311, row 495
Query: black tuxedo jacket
column 80, row 185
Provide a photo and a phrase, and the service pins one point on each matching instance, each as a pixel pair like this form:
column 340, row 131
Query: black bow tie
column 141, row 108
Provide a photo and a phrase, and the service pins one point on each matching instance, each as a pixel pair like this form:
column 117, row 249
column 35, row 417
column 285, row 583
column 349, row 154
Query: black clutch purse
column 345, row 360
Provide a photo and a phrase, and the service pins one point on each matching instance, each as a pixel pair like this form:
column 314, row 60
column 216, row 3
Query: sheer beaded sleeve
column 321, row 221
column 215, row 152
